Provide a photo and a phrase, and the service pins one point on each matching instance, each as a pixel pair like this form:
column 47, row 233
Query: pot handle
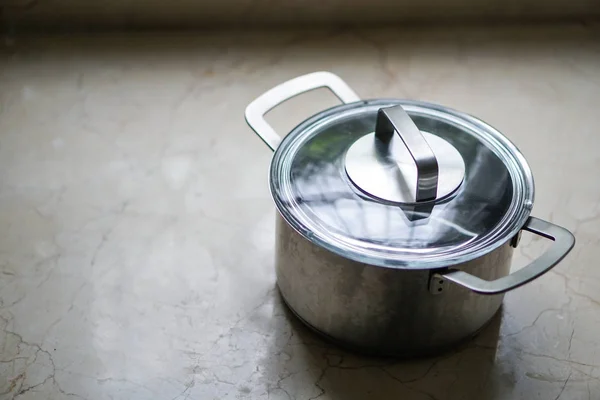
column 267, row 101
column 563, row 243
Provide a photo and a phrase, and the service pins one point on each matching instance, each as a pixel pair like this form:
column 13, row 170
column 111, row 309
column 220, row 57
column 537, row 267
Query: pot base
column 379, row 352
column 383, row 311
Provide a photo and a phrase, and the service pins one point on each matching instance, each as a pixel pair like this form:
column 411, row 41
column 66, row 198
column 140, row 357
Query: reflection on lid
column 313, row 192
column 323, row 193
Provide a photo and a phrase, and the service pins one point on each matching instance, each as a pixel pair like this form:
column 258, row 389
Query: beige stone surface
column 136, row 256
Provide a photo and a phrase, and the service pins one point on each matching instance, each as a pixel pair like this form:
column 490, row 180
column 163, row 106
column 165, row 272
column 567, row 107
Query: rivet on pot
column 437, row 285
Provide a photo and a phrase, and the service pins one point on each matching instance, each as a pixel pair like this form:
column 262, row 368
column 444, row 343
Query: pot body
column 382, row 310
column 397, row 288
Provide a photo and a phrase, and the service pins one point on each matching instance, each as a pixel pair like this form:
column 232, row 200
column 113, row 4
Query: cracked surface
column 136, row 259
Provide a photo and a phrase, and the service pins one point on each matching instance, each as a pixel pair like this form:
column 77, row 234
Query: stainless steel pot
column 397, row 219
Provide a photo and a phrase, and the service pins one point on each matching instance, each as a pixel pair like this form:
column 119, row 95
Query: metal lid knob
column 410, row 167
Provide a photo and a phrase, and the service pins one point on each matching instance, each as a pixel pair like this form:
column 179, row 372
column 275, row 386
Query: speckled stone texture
column 137, row 246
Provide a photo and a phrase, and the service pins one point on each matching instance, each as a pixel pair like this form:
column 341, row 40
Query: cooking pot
column 397, row 219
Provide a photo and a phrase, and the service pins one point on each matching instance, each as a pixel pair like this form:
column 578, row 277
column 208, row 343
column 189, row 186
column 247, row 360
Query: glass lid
column 401, row 184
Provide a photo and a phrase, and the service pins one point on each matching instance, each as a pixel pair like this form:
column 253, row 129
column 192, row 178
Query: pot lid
column 402, row 184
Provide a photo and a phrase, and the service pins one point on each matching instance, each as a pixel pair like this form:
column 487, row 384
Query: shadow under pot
column 397, row 219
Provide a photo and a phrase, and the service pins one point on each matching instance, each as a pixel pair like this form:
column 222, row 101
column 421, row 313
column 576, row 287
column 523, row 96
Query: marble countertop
column 136, row 260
